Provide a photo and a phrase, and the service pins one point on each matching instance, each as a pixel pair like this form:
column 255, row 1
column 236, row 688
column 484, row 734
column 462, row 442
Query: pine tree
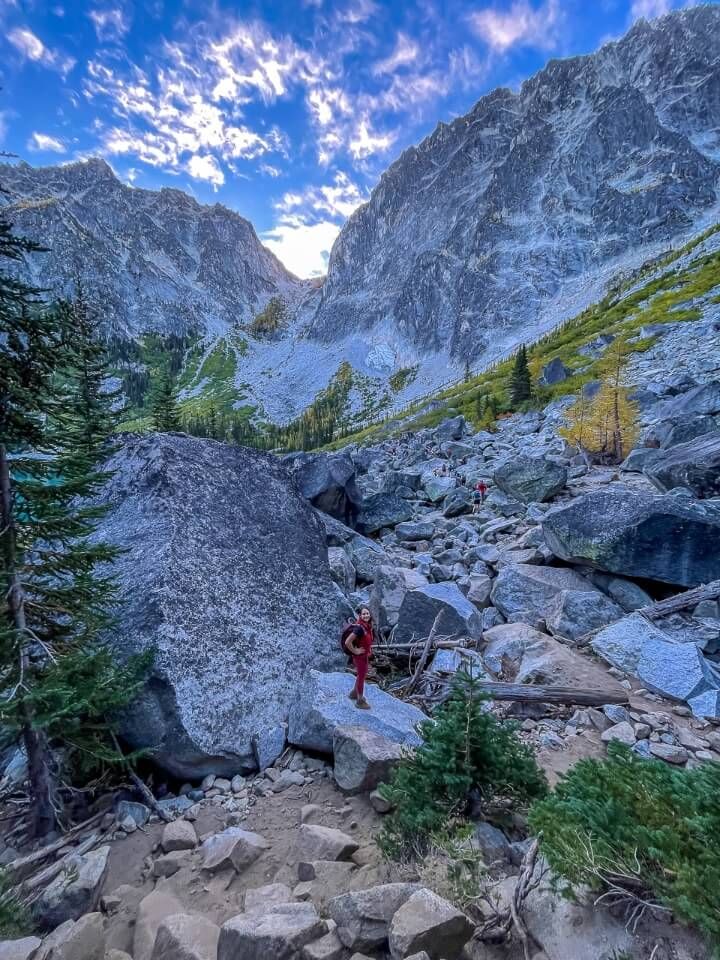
column 59, row 686
column 164, row 408
column 520, row 380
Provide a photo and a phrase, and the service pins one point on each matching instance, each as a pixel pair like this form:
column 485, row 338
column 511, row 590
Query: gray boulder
column 452, row 429
column 382, row 510
column 363, row 916
column 531, row 478
column 323, row 705
column 438, row 487
column 315, row 842
column 420, row 607
column 524, row 589
column 694, row 465
column 75, row 891
column 341, row 569
column 388, row 592
column 639, row 535
column 363, row 759
column 573, row 613
column 428, row 922
column 457, row 502
column 700, row 401
column 232, row 848
column 223, row 558
column 186, row 937
column 366, row 556
column 554, row 372
column 327, row 481
column 415, row 530
column 22, row 949
column 639, row 458
column 278, row 933
column 685, row 430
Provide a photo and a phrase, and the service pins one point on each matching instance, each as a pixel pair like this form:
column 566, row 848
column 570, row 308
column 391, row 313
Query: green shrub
column 15, row 919
column 640, row 829
column 466, row 752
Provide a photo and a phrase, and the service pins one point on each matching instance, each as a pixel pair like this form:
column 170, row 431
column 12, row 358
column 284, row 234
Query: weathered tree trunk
column 42, row 781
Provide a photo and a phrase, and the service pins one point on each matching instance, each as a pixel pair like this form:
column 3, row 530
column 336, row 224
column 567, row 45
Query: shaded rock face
column 328, row 482
column 84, row 215
column 226, row 575
column 638, row 535
column 440, row 252
column 694, row 465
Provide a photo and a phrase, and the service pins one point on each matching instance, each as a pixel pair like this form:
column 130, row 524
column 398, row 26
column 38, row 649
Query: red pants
column 361, row 668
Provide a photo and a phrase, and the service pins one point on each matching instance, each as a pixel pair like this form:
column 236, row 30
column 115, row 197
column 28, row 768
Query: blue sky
column 284, row 110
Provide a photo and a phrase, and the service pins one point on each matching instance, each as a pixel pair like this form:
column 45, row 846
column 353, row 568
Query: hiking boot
column 362, row 704
column 353, row 694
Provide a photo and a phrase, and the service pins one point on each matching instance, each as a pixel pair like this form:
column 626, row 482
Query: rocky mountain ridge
column 475, row 237
column 151, row 260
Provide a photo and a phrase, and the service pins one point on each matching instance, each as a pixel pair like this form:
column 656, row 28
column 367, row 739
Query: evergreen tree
column 58, row 685
column 520, row 380
column 164, row 408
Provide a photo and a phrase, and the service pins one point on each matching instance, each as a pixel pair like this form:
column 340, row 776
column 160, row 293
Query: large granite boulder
column 75, row 890
column 700, row 401
column 388, row 592
column 382, row 510
column 531, row 479
column 322, row 705
column 460, row 618
column 225, row 574
column 452, row 429
column 694, row 465
column 638, row 534
column 554, row 372
column 676, row 670
column 524, row 590
column 328, row 482
column 363, row 759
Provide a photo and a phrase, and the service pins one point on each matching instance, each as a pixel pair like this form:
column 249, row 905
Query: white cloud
column 521, row 25
column 406, row 53
column 206, row 168
column 43, row 143
column 110, row 24
column 270, row 171
column 649, row 8
column 304, row 248
column 339, row 199
column 365, row 142
column 31, row 47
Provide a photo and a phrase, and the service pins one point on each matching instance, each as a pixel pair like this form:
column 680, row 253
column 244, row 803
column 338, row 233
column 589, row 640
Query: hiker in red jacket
column 358, row 645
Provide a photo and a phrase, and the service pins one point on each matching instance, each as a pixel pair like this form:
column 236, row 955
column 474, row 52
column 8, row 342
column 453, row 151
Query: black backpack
column 347, row 632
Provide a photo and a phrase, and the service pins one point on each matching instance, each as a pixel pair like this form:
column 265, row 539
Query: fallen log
column 39, row 881
column 538, row 693
column 413, row 681
column 16, row 868
column 681, row 601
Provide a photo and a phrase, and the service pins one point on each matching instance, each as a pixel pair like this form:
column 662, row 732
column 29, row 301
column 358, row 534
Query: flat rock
column 232, row 847
column 315, row 842
column 428, row 922
column 21, row 949
column 280, row 933
column 638, row 534
column 172, row 499
column 363, row 759
column 573, row 613
column 152, row 910
column 363, row 916
column 323, row 706
column 186, row 937
column 382, row 510
column 259, row 898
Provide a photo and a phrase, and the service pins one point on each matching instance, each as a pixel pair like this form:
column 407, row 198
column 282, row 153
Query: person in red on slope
column 479, row 495
column 357, row 642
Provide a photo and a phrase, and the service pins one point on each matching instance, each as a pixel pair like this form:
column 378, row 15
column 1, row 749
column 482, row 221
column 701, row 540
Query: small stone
column 237, row 784
column 310, row 812
column 379, row 803
column 179, row 835
column 222, row 785
column 669, row 752
column 642, row 731
column 706, row 755
column 620, row 731
column 207, row 782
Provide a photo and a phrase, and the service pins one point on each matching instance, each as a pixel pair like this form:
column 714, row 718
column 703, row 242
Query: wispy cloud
column 30, row 47
column 406, row 52
column 206, row 168
column 43, row 143
column 110, row 24
column 649, row 8
column 522, row 25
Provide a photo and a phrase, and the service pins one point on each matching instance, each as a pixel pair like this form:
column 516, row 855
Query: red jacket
column 366, row 641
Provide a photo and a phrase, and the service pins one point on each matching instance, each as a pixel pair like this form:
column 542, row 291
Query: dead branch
column 16, row 868
column 681, row 601
column 29, row 888
column 142, row 788
column 413, row 681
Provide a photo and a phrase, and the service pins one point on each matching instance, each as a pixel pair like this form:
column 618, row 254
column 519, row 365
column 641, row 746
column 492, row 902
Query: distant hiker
column 357, row 641
column 481, row 488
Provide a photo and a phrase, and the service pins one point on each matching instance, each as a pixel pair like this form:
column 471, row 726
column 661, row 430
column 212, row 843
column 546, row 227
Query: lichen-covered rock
column 76, row 890
column 223, row 561
column 638, row 534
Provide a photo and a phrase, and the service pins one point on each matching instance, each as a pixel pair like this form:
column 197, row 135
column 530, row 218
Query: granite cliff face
column 156, row 260
column 469, row 236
